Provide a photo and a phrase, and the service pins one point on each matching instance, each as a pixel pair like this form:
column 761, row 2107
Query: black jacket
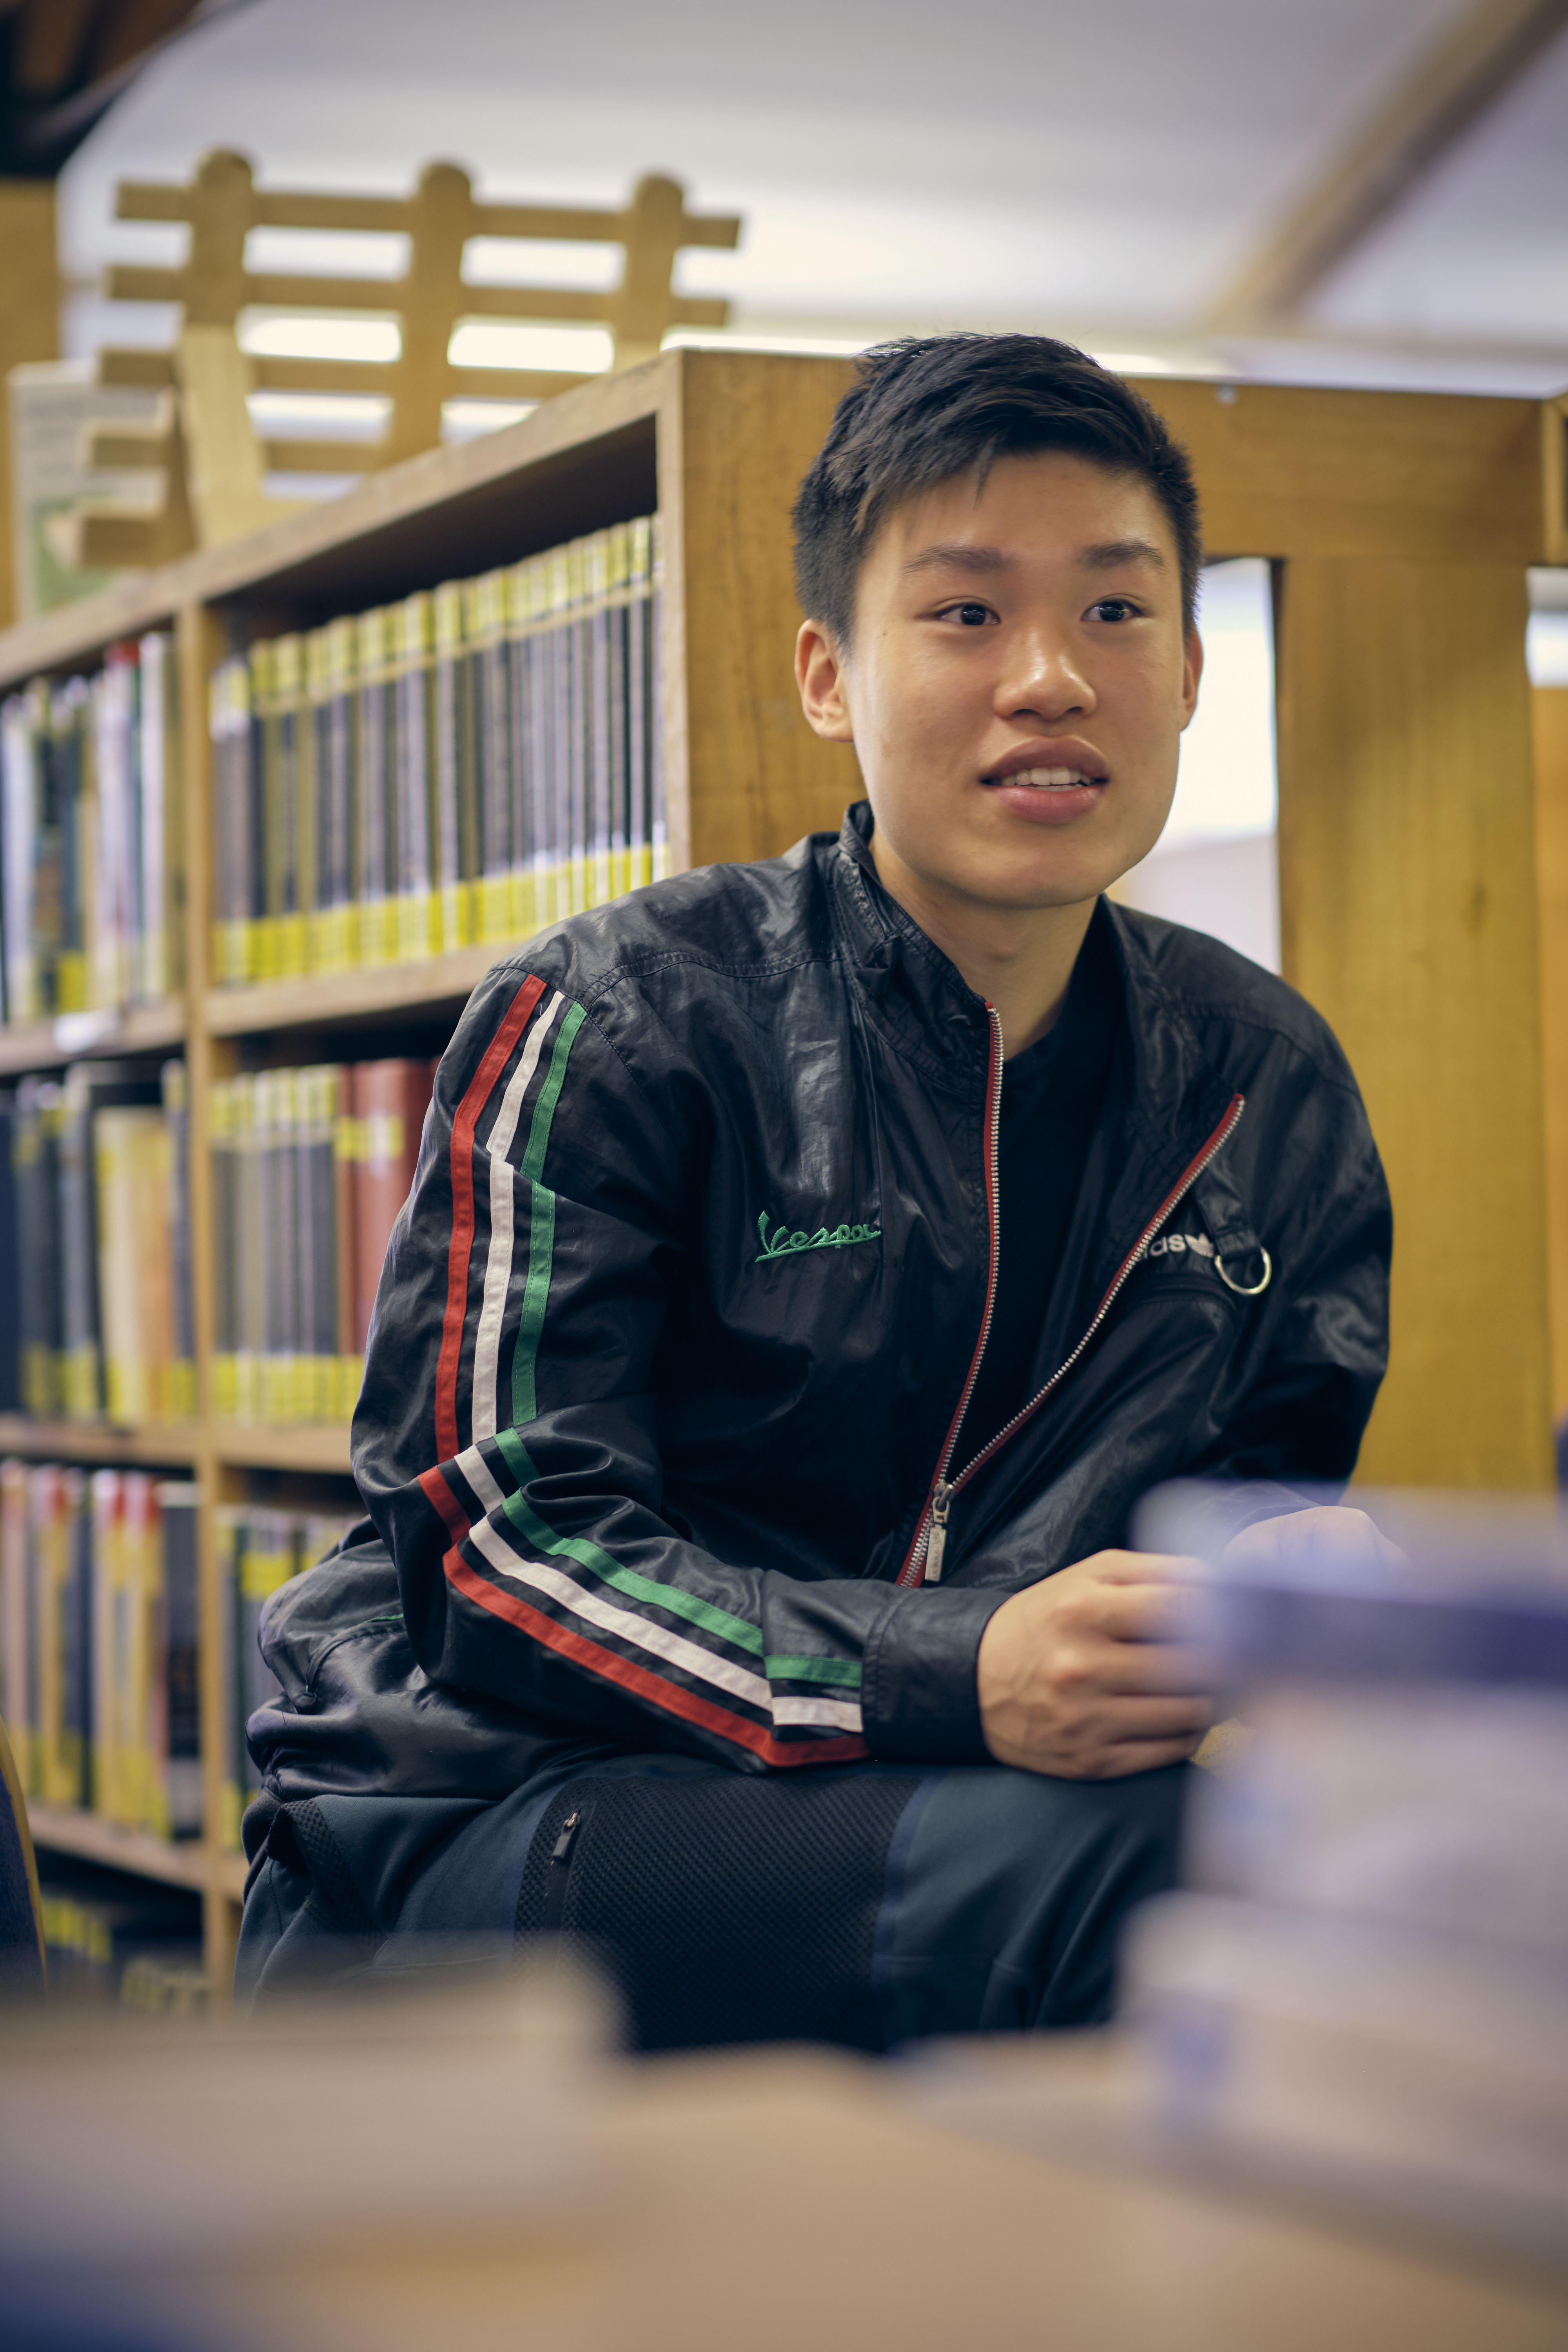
column 662, row 1424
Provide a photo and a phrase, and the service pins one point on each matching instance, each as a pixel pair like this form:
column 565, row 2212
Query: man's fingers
column 1116, row 1720
column 1145, row 1566
column 1144, row 1612
column 1117, row 1762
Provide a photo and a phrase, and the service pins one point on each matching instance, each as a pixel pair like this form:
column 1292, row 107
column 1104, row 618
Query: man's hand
column 1085, row 1674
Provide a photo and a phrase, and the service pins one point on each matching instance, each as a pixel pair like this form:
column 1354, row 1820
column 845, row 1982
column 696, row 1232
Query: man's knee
column 1005, row 1905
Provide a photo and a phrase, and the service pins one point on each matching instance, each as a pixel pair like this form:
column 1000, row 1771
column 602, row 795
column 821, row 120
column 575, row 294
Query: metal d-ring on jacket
column 663, row 1421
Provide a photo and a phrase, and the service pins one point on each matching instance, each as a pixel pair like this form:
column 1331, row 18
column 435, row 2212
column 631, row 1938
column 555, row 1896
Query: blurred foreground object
column 63, row 63
column 204, row 444
column 1363, row 1999
column 469, row 2173
column 54, row 408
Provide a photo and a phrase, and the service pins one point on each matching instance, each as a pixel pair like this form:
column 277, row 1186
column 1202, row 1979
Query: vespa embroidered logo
column 784, row 1243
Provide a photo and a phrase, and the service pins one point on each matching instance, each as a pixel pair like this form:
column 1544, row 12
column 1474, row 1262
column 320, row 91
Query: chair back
column 21, row 1909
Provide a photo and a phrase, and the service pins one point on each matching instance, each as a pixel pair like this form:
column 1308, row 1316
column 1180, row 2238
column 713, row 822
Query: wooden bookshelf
column 61, row 1829
column 319, row 1445
column 77, row 1036
column 1400, row 524
column 85, row 1837
column 150, row 1445
column 373, row 994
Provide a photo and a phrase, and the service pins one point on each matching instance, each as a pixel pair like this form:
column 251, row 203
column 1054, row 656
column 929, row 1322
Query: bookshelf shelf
column 62, row 1830
column 269, row 1445
column 154, row 1443
column 370, row 994
column 77, row 1037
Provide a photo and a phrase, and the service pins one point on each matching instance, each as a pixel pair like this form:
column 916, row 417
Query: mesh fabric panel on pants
column 728, row 1909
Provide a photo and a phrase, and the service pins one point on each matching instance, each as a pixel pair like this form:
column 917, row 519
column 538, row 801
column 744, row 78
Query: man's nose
column 1046, row 679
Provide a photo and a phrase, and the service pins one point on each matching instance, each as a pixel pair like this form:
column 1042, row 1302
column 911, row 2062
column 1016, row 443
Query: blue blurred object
column 1398, row 1588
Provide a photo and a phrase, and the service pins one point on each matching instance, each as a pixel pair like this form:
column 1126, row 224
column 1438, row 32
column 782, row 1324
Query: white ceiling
column 1100, row 172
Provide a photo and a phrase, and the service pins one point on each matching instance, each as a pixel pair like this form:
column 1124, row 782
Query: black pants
column 866, row 1907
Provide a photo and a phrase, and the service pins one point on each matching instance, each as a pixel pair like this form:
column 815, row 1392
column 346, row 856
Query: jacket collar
column 1170, row 1095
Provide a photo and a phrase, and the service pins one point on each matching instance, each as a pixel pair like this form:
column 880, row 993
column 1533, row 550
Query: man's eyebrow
column 1109, row 554
column 960, row 555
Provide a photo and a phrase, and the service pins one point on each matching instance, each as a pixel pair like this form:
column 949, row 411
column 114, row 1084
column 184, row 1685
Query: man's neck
column 1020, row 959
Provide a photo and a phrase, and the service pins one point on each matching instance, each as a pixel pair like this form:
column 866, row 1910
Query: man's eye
column 1114, row 608
column 970, row 616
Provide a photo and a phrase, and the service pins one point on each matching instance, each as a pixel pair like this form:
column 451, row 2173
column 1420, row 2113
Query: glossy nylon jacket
column 662, row 1422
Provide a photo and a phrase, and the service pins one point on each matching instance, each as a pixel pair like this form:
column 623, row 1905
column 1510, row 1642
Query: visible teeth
column 1049, row 779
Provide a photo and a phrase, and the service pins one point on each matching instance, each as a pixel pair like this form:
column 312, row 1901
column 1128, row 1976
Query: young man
column 810, row 1265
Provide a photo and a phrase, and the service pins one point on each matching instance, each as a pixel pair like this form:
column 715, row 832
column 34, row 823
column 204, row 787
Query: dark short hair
column 928, row 407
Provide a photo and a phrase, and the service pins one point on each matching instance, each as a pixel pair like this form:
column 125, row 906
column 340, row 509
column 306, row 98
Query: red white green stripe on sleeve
column 714, row 1675
column 706, row 1666
column 536, row 1021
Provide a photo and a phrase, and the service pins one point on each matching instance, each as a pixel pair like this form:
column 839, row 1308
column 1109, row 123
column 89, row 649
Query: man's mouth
column 1046, row 780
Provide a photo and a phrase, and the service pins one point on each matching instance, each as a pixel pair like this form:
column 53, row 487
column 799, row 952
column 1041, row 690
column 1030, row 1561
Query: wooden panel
column 729, row 468
column 200, row 648
column 1550, row 704
column 1408, row 917
column 1415, row 475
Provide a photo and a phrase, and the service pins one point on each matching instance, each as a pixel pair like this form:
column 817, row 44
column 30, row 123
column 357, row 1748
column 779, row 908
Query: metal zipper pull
column 563, row 1846
column 936, row 1542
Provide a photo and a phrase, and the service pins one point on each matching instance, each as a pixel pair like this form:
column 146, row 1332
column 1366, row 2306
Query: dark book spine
column 596, row 555
column 181, row 1401
column 616, row 569
column 10, row 1262
column 657, row 827
column 181, row 1662
column 82, row 1394
column 76, row 1643
column 640, row 841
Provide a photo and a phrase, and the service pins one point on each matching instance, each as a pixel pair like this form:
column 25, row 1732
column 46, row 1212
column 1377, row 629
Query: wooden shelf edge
column 63, row 1830
column 232, row 1870
column 174, row 1443
column 330, row 997
column 276, row 1446
column 49, row 1045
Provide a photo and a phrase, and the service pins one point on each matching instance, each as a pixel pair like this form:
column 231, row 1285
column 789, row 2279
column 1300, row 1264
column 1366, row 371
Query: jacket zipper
column 934, row 1518
column 924, row 1558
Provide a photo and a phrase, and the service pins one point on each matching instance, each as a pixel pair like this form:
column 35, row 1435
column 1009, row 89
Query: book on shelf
column 457, row 769
column 311, row 1168
column 98, row 1663
column 90, row 854
column 108, row 1939
column 98, row 1226
column 259, row 1550
column 10, row 1262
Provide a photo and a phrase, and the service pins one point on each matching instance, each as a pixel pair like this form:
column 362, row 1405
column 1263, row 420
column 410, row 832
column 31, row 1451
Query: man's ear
column 824, row 687
column 1191, row 672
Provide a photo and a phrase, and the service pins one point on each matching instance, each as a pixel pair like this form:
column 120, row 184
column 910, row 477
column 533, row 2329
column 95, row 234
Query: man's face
column 1018, row 681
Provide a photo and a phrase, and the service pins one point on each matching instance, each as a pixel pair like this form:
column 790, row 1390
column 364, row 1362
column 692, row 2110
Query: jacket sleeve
column 507, row 1437
column 1301, row 1419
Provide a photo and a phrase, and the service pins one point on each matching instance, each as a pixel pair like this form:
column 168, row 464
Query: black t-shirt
column 1052, row 1095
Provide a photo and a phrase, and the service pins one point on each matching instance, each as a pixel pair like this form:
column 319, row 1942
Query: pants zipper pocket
column 560, row 1872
